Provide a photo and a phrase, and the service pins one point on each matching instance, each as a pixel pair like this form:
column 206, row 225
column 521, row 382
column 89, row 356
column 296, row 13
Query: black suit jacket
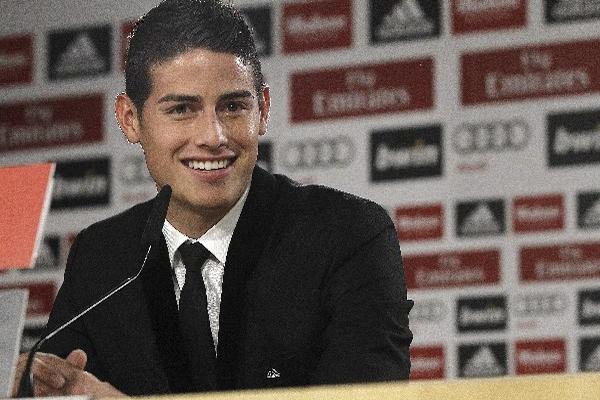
column 313, row 290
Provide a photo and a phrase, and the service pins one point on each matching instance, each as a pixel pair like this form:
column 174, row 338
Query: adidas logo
column 480, row 221
column 405, row 19
column 482, row 364
column 591, row 216
column 81, row 56
column 273, row 374
column 593, row 361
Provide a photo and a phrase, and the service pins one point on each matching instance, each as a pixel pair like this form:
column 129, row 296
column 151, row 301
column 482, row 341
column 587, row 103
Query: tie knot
column 193, row 255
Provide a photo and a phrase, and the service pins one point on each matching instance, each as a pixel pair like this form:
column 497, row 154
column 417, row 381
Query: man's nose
column 209, row 131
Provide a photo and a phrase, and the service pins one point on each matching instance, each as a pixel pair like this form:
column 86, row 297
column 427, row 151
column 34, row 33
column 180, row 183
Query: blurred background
column 475, row 123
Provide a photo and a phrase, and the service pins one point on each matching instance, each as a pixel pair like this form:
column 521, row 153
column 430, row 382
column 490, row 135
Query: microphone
column 150, row 236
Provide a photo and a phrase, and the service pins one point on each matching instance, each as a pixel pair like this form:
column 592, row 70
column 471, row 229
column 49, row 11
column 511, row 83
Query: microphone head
column 156, row 219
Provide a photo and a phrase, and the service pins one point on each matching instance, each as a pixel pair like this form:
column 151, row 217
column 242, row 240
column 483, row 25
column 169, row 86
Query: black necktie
column 193, row 320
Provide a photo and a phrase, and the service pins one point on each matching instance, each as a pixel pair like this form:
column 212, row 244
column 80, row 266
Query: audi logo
column 491, row 136
column 318, row 153
column 533, row 304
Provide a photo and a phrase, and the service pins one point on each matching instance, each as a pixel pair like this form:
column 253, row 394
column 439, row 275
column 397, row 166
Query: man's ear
column 265, row 105
column 128, row 118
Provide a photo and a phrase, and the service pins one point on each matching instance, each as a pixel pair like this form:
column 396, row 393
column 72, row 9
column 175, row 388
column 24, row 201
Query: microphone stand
column 26, row 384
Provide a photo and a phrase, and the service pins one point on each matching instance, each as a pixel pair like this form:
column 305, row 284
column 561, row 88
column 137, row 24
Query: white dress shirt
column 216, row 240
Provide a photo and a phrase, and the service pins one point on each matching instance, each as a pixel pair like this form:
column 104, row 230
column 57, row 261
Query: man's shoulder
column 330, row 205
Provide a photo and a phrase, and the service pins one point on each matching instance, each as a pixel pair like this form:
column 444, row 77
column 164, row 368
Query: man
column 304, row 284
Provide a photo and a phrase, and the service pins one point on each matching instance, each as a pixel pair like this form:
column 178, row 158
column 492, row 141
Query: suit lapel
column 249, row 238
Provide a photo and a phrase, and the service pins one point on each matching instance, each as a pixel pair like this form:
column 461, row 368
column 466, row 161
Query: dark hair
column 176, row 26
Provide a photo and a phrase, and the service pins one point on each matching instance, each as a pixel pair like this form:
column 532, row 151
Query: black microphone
column 150, row 237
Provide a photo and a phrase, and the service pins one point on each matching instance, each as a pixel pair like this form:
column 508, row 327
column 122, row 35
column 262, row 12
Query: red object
column 530, row 72
column 427, row 362
column 316, row 25
column 419, row 222
column 560, row 262
column 452, row 269
column 16, row 60
column 51, row 122
column 477, row 15
column 362, row 90
column 538, row 213
column 24, row 200
column 540, row 356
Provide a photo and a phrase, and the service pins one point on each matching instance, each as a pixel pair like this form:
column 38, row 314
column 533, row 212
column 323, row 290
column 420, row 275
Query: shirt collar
column 216, row 239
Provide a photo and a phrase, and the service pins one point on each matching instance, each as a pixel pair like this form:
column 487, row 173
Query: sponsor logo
column 419, row 222
column 406, row 153
column 259, row 20
column 79, row 52
column 394, row 20
column 126, row 29
column 81, row 183
column 16, row 60
column 481, row 314
column 539, row 304
column 540, row 213
column 574, row 138
column 453, row 269
column 494, row 136
column 51, row 123
column 350, row 91
column 588, row 210
column 326, row 152
column 540, row 356
column 571, row 10
column 427, row 362
column 480, row 218
column 530, row 72
column 482, row 360
column 588, row 310
column 318, row 25
column 265, row 155
column 428, row 311
column 486, row 15
column 560, row 262
column 41, row 297
column 589, row 354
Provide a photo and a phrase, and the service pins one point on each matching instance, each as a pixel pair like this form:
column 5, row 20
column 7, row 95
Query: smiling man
column 294, row 285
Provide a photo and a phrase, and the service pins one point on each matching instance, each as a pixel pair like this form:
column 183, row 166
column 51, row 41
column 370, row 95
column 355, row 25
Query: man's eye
column 179, row 109
column 234, row 106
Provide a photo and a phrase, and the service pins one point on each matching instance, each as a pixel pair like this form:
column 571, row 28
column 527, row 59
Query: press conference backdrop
column 476, row 123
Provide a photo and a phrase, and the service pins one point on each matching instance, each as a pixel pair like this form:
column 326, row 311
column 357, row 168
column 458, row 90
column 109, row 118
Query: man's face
column 199, row 129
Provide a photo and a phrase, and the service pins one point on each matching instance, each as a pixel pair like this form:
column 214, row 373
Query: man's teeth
column 208, row 165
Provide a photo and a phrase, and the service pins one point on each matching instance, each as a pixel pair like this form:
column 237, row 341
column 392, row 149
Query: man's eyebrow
column 236, row 95
column 179, row 98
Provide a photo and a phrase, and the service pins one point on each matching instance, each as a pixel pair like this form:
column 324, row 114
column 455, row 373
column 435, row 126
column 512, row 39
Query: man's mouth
column 209, row 165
